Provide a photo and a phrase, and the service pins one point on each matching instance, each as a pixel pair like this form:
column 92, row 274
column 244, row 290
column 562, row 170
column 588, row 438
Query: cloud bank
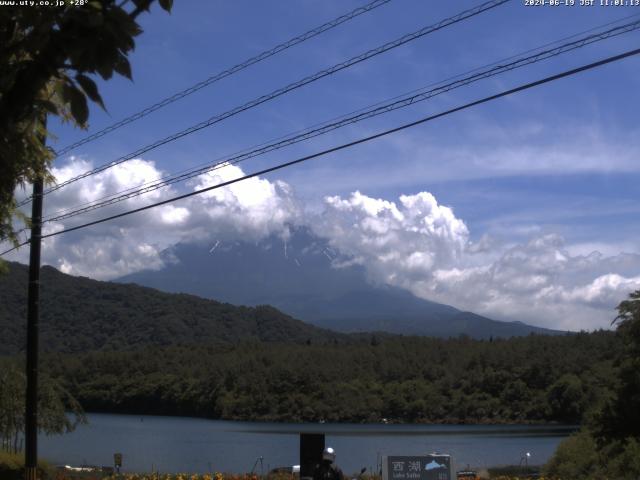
column 248, row 210
column 419, row 245
column 413, row 243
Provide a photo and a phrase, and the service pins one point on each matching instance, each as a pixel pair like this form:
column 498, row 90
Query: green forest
column 531, row 380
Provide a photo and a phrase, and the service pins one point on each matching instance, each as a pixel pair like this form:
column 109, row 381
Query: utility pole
column 33, row 318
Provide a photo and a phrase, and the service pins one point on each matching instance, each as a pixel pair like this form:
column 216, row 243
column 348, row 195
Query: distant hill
column 80, row 314
column 300, row 277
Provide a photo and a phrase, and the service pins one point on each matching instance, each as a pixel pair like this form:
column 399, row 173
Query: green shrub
column 579, row 457
column 576, row 457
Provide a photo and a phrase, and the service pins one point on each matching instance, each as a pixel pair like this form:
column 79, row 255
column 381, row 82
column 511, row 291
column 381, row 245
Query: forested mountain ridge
column 79, row 314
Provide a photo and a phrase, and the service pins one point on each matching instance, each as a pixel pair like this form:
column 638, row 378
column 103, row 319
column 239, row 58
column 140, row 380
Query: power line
column 249, row 150
column 379, row 109
column 429, row 118
column 219, row 76
column 225, row 73
column 292, row 86
column 404, row 102
column 451, row 78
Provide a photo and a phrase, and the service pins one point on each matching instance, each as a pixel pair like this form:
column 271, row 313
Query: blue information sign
column 424, row 467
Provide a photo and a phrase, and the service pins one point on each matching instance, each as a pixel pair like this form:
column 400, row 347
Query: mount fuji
column 300, row 278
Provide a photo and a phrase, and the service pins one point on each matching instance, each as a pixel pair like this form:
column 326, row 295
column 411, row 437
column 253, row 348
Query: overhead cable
column 225, row 73
column 222, row 160
column 405, row 126
column 466, row 14
column 379, row 109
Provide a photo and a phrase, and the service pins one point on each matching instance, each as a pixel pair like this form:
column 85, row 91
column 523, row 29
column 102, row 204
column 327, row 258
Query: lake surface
column 179, row 444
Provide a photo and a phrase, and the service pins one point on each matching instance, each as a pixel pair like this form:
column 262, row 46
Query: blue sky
column 556, row 162
column 202, row 38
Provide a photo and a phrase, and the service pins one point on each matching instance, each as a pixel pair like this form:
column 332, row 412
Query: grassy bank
column 12, row 467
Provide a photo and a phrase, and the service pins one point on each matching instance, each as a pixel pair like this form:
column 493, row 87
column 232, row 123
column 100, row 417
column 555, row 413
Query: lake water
column 179, row 444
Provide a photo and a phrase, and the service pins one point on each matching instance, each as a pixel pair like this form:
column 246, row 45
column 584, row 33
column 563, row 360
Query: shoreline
column 388, row 422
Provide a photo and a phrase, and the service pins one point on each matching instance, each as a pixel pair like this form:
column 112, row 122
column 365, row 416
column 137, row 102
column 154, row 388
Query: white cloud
column 542, row 283
column 250, row 210
column 407, row 239
column 413, row 243
column 490, row 151
column 476, row 150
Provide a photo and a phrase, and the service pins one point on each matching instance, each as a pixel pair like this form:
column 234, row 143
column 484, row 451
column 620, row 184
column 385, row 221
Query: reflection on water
column 179, row 444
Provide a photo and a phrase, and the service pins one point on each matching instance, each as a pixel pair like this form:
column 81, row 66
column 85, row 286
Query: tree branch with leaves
column 48, row 56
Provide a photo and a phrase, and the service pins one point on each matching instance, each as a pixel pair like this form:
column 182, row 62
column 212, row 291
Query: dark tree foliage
column 406, row 379
column 608, row 446
column 47, row 57
column 621, row 416
column 566, row 398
